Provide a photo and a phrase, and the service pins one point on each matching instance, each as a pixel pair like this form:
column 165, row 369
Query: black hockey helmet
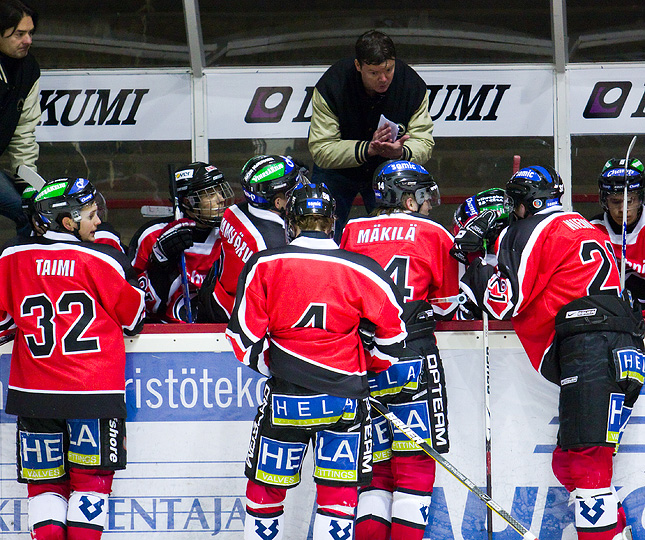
column 395, row 178
column 203, row 193
column 490, row 199
column 63, row 197
column 535, row 187
column 307, row 199
column 264, row 177
column 613, row 175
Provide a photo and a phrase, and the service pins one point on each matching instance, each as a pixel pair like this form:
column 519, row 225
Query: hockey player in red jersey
column 414, row 251
column 558, row 281
column 611, row 184
column 69, row 301
column 203, row 194
column 248, row 227
column 296, row 320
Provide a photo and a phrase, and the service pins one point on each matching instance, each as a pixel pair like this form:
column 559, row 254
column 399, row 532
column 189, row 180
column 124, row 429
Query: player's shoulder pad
column 106, row 249
column 147, row 228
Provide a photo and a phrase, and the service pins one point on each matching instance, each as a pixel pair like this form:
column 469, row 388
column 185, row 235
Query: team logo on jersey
column 498, row 296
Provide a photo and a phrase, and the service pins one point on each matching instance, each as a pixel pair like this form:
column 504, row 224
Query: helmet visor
column 428, row 193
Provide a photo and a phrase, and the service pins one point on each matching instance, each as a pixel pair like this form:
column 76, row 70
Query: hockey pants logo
column 340, row 533
column 592, row 515
column 425, row 511
column 90, row 511
column 269, row 533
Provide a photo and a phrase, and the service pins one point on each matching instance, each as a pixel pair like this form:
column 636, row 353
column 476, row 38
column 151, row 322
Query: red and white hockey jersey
column 70, row 302
column 544, row 262
column 297, row 313
column 245, row 230
column 635, row 251
column 413, row 250
column 167, row 301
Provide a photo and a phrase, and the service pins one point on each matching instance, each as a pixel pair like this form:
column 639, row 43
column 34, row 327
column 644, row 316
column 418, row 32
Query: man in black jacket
column 19, row 104
column 345, row 139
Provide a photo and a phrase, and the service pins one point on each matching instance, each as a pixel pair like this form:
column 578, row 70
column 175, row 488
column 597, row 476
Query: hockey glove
column 176, row 237
column 472, row 238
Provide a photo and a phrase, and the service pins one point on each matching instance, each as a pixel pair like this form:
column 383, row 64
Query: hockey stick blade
column 31, row 177
column 156, row 211
column 457, row 299
column 411, row 434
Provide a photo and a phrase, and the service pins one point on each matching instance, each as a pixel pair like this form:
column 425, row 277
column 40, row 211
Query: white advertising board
column 607, row 99
column 190, row 406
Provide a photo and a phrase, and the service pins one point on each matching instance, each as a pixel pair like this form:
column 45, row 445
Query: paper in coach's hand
column 394, row 129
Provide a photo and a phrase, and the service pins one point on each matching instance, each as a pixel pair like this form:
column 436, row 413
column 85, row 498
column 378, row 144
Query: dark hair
column 374, row 48
column 12, row 12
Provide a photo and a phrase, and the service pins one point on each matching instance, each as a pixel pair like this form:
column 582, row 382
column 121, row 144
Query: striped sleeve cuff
column 361, row 151
column 407, row 154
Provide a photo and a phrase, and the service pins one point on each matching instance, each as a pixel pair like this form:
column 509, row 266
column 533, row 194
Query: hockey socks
column 264, row 512
column 598, row 514
column 47, row 516
column 261, row 526
column 333, row 526
column 374, row 514
column 86, row 515
column 409, row 515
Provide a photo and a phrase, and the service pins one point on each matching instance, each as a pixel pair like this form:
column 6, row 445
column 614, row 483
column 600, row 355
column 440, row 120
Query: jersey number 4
column 46, row 311
column 397, row 269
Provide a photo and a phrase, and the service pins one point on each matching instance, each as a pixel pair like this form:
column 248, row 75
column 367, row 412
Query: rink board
column 190, row 406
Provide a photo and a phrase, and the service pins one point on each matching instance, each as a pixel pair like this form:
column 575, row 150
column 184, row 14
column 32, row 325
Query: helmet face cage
column 612, row 180
column 63, row 198
column 264, row 177
column 203, row 193
column 536, row 188
column 494, row 199
column 394, row 179
column 207, row 205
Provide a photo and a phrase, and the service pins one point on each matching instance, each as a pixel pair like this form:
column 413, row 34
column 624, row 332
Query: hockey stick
column 458, row 298
column 487, row 422
column 516, row 163
column 411, row 434
column 31, row 177
column 182, row 260
column 151, row 211
column 623, row 259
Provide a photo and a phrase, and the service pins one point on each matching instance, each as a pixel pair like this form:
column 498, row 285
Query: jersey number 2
column 73, row 341
column 590, row 251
